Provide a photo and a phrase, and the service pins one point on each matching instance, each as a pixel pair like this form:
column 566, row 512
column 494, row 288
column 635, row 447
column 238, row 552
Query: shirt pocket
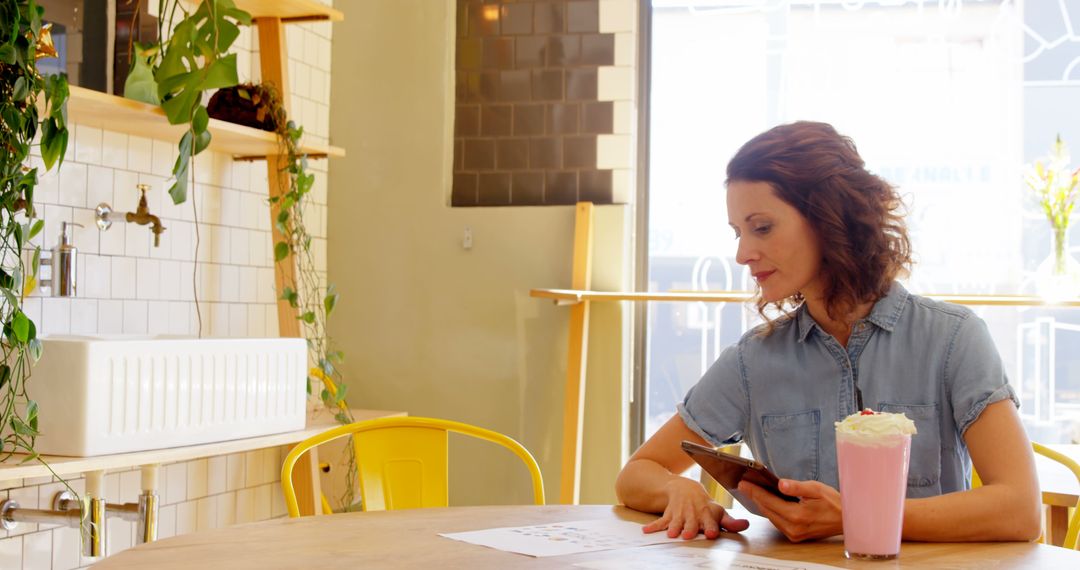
column 924, row 470
column 791, row 443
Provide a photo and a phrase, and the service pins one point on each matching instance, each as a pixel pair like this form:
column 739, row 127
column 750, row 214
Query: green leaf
column 178, row 191
column 5, row 375
column 281, row 251
column 7, row 54
column 20, row 325
column 221, row 73
column 340, row 396
column 20, row 90
column 18, row 233
column 202, row 140
column 330, row 302
column 308, row 317
column 201, row 120
column 35, row 229
column 140, row 84
column 35, row 348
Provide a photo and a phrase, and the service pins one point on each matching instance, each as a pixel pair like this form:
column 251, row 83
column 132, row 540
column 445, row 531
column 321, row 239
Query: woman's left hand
column 816, row 515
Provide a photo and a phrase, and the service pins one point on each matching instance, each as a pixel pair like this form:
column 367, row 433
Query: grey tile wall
column 527, row 115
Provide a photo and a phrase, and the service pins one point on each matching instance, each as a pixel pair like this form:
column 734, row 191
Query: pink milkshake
column 872, row 452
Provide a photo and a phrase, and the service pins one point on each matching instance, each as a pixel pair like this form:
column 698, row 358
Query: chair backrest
column 403, row 461
column 1074, row 521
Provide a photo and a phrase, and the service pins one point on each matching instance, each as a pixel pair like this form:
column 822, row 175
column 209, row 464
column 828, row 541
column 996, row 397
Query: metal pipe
column 12, row 514
column 148, row 518
column 93, row 535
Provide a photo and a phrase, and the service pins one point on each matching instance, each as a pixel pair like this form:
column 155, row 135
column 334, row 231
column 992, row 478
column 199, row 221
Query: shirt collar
column 884, row 315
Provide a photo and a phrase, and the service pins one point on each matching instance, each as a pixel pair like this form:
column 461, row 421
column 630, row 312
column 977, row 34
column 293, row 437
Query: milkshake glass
column 872, row 453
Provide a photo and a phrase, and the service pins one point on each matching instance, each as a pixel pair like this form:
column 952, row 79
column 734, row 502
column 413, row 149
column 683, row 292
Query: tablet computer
column 728, row 470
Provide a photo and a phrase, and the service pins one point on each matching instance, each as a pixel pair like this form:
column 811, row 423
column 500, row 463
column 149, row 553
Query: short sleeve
column 716, row 408
column 975, row 375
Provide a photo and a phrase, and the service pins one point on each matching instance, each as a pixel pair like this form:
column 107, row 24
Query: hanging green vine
column 30, row 105
column 304, row 293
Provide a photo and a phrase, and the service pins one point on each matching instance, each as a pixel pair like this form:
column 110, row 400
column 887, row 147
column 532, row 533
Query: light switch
column 466, row 238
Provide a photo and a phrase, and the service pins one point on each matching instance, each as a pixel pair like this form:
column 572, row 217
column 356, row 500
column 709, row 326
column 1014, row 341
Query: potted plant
column 1056, row 187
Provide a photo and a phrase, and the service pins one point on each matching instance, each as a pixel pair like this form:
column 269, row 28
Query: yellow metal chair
column 1074, row 520
column 402, row 461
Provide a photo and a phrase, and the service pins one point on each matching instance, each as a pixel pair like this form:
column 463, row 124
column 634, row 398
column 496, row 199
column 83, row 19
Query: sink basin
column 116, row 394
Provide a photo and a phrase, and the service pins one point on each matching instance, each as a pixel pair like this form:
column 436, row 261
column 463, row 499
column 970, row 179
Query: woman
column 823, row 236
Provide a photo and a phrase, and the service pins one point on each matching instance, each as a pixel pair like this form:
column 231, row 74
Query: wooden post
column 577, row 350
column 273, row 60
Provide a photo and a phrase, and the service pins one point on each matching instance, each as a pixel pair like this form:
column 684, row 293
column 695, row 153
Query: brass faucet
column 142, row 216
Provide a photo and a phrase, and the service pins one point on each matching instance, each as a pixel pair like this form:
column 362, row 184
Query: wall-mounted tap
column 142, row 216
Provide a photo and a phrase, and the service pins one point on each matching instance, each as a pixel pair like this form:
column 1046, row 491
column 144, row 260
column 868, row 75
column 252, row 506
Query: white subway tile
column 277, row 505
column 230, row 206
column 237, row 320
column 99, row 186
column 186, row 517
column 65, row 548
column 205, row 514
column 137, row 240
column 114, row 240
column 95, row 279
column 53, row 215
column 324, row 55
column 110, row 317
column 266, row 292
column 209, row 203
column 217, row 474
column 111, row 486
column 171, row 281
column 86, row 237
column 253, row 468
column 32, row 308
column 256, row 321
column 615, row 83
column 130, row 486
column 157, row 317
column 135, row 317
column 123, row 278
column 180, row 318
column 241, row 175
column 318, row 253
column 140, row 154
column 11, row 552
column 617, row 16
column 163, row 157
column 166, row 522
column 240, row 251
column 209, row 287
column 176, row 483
column 84, row 317
column 72, row 189
column 218, row 320
column 57, row 315
column 247, row 287
column 204, row 168
column 148, row 278
column 614, row 151
column 87, row 144
column 272, row 328
column 250, row 210
column 226, row 510
column 245, row 506
column 120, row 535
column 196, row 478
column 234, row 472
column 37, row 551
column 259, row 242
column 114, row 149
column 47, row 190
column 263, row 502
column 181, row 240
column 626, row 49
column 219, row 242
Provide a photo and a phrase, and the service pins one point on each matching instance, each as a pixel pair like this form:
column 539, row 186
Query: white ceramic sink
column 116, row 394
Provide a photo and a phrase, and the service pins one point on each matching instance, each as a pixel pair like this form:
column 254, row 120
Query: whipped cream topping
column 868, row 426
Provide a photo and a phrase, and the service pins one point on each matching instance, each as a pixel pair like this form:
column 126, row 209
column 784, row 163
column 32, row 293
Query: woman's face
column 775, row 242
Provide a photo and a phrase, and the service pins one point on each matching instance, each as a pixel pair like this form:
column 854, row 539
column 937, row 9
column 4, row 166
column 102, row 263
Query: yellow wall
column 429, row 327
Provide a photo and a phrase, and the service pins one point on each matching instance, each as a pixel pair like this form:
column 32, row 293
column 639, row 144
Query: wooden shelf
column 291, row 11
column 571, row 297
column 117, row 114
column 12, row 470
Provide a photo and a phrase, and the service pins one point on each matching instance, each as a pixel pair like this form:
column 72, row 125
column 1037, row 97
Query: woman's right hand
column 691, row 510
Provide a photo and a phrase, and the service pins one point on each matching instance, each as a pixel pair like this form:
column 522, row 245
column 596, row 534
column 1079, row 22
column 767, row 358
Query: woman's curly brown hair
column 856, row 215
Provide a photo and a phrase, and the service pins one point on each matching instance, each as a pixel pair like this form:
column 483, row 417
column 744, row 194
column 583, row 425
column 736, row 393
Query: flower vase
column 1058, row 276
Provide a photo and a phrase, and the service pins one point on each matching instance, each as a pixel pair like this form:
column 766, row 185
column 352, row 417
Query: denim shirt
column 781, row 393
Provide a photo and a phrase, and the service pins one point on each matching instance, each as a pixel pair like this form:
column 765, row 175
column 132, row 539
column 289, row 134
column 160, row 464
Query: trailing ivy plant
column 176, row 72
column 30, row 106
column 304, row 292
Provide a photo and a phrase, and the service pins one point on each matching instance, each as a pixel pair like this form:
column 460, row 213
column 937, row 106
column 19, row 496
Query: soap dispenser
column 63, row 264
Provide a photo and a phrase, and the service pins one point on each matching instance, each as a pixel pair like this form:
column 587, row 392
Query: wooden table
column 409, row 539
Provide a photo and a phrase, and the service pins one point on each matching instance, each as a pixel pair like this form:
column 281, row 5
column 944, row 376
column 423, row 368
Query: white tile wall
column 128, row 286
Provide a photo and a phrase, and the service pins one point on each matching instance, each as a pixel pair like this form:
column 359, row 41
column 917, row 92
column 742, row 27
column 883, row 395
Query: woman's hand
column 816, row 515
column 690, row 510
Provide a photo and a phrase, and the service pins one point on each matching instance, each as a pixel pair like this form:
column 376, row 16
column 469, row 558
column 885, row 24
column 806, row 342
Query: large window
column 946, row 99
